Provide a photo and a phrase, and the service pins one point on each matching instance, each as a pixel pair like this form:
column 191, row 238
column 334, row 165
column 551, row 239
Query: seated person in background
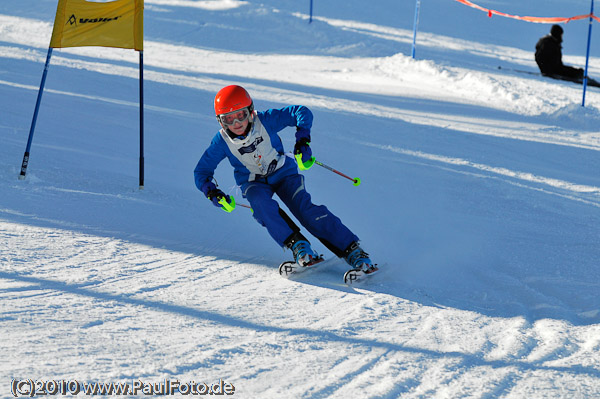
column 548, row 56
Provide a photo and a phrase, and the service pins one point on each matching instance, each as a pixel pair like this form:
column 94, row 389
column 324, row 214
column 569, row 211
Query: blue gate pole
column 587, row 56
column 35, row 115
column 311, row 9
column 416, row 24
column 141, row 173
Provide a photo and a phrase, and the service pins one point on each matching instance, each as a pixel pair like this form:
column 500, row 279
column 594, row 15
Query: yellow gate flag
column 118, row 23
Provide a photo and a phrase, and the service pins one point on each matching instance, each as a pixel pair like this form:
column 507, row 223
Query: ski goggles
column 230, row 118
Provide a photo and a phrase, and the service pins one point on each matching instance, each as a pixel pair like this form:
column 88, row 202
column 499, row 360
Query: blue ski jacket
column 260, row 154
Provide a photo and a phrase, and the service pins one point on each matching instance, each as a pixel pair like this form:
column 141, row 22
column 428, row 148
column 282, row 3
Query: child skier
column 249, row 140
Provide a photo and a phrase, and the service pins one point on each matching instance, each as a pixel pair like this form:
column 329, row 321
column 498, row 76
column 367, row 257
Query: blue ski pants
column 317, row 219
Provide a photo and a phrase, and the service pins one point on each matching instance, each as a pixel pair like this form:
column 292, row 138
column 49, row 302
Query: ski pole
column 230, row 206
column 308, row 164
column 227, row 206
column 356, row 180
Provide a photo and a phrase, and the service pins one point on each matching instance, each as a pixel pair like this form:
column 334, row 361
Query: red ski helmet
column 232, row 98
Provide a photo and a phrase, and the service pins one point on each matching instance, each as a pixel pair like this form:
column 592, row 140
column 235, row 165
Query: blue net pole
column 416, row 24
column 587, row 56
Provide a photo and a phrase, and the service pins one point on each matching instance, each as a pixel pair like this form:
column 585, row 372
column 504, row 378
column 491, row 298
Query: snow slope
column 480, row 198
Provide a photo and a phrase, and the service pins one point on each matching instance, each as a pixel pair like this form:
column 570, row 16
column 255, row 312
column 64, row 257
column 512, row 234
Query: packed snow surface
column 480, row 201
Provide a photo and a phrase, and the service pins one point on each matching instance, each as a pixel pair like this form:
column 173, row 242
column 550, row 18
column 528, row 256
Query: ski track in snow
column 101, row 283
column 586, row 194
column 385, row 345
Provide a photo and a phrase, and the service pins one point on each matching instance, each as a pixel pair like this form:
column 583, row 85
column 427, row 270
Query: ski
column 356, row 275
column 520, row 71
column 288, row 268
column 590, row 82
column 352, row 276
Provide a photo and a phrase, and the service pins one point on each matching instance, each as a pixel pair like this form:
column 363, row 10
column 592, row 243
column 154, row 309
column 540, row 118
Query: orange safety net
column 541, row 20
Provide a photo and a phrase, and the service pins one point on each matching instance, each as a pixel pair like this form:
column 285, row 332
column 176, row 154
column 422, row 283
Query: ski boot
column 304, row 256
column 303, row 253
column 359, row 262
